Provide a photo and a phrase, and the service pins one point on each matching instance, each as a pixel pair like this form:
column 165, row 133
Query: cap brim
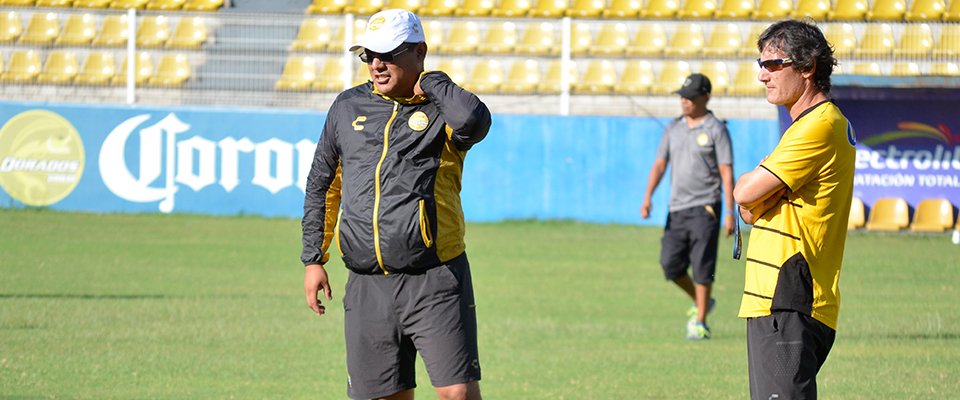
column 380, row 47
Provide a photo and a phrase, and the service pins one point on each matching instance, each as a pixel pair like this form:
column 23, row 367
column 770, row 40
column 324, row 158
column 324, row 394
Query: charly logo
column 194, row 162
column 418, row 121
column 41, row 157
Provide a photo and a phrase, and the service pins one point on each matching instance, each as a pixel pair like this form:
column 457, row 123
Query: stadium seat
column 877, row 40
column 724, row 41
column 905, row 69
column 475, row 8
column 538, row 38
column 660, row 9
column 718, row 74
column 636, row 79
column 143, row 70
column 153, row 31
column 314, row 35
column 409, row 5
column 79, row 30
column 932, row 215
column 736, row 9
column 190, row 33
column 627, row 9
column 486, row 77
column 926, row 10
column 91, row 3
column 363, row 7
column 433, row 33
column 945, row 69
column 866, row 68
column 202, row 5
column 438, row 8
column 125, row 4
column 113, row 32
column 552, row 82
column 612, row 40
column 698, row 9
column 165, row 5
column 842, row 37
column 54, row 3
column 916, row 40
column 687, row 41
column 549, row 9
column 773, row 9
column 849, row 10
column 330, row 78
column 455, row 68
column 816, row 9
column 745, row 81
column 24, row 66
column 952, row 14
column 671, row 77
column 949, row 43
column 98, row 69
column 857, row 215
column 598, row 78
column 10, row 26
column 512, row 8
column 60, row 69
column 326, row 7
column 749, row 48
column 42, row 29
column 359, row 28
column 360, row 75
column 887, row 10
column 587, row 8
column 889, row 214
column 17, row 3
column 463, row 38
column 299, row 73
column 650, row 40
column 523, row 77
column 581, row 39
column 500, row 38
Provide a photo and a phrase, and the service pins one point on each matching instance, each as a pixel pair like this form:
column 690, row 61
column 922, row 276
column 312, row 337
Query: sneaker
column 692, row 313
column 699, row 331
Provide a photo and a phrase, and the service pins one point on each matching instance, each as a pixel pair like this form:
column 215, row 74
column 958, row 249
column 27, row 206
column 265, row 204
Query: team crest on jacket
column 703, row 139
column 418, row 121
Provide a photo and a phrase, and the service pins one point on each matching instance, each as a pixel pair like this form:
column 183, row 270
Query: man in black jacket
column 390, row 159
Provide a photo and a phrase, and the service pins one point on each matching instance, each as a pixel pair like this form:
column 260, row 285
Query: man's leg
column 462, row 391
column 404, row 395
column 703, row 301
column 686, row 283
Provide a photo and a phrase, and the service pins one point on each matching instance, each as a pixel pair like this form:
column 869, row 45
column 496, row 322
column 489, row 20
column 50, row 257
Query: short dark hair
column 805, row 44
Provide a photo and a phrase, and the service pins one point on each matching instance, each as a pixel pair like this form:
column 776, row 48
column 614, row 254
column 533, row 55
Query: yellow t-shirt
column 796, row 247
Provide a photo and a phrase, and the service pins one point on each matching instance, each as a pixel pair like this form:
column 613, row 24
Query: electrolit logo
column 945, row 155
column 193, row 162
column 41, row 157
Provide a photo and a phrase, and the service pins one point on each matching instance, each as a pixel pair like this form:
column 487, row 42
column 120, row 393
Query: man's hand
column 314, row 280
column 728, row 223
column 645, row 209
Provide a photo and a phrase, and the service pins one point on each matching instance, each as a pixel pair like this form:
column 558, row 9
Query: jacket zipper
column 376, row 202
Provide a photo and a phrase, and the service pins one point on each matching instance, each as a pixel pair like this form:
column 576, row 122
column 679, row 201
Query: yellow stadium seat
column 202, row 5
column 636, row 79
column 314, row 35
column 438, row 8
column 113, row 32
column 842, row 37
column 17, row 3
column 475, row 8
column 857, row 215
column 866, row 68
column 165, row 5
column 512, row 8
column 549, row 9
column 54, row 3
column 190, row 33
column 60, row 69
column 10, row 26
column 773, row 9
column 299, row 73
column 125, row 4
column 687, row 40
column 363, row 7
column 724, row 41
column 552, row 81
column 598, row 78
column 745, row 81
column 916, row 40
column 433, row 33
column 887, row 10
column 2, row 67
column 538, row 38
column 91, row 3
column 523, row 77
column 736, row 9
column 949, row 43
column 143, row 70
column 581, row 39
column 816, row 9
column 877, row 40
column 587, row 8
column 361, row 74
column 849, row 10
column 889, row 214
column 331, row 76
column 671, row 77
column 486, row 77
column 359, row 28
column 24, row 67
column 42, row 29
column 627, row 9
column 660, row 9
column 952, row 14
column 749, row 48
column 650, row 39
column 463, row 38
column 500, row 38
column 932, row 215
column 153, row 31
column 612, row 40
column 98, row 69
column 718, row 74
column 698, row 9
column 905, row 69
column 455, row 68
column 926, row 10
column 326, row 7
column 79, row 30
column 945, row 69
column 409, row 5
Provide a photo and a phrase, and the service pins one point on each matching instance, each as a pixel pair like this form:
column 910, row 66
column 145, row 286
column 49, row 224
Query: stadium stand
column 773, row 9
column 409, row 5
column 463, row 38
column 949, row 43
column 523, row 77
column 586, row 9
column 511, row 8
column 165, row 5
column 905, row 69
column 142, row 70
column 687, row 41
column 736, row 9
column 867, row 68
column 486, row 77
column 916, row 40
column 849, row 10
column 660, row 9
column 698, row 9
column 314, row 35
column 581, row 39
column 671, row 77
column 877, row 40
column 455, row 68
column 724, row 41
column 552, row 83
column 952, row 14
column 500, row 38
column 750, row 45
column 331, row 75
column 190, row 33
column 60, row 68
column 79, row 30
column 549, row 9
column 10, row 27
column 17, row 3
column 627, row 9
column 153, row 31
column 745, row 81
column 887, row 10
column 363, row 7
column 537, row 39
column 24, row 66
column 202, row 5
column 475, row 8
column 932, row 215
column 842, row 37
column 54, row 3
column 889, row 214
column 113, row 31
column 98, row 69
column 926, row 11
column 650, row 40
column 2, row 67
column 433, row 33
column 612, row 40
column 173, row 70
column 125, row 4
column 359, row 27
column 299, row 74
column 944, row 69
column 718, row 74
column 636, row 79
column 91, row 3
column 437, row 8
column 326, row 7
column 599, row 78
column 42, row 29
column 816, row 9
column 857, row 215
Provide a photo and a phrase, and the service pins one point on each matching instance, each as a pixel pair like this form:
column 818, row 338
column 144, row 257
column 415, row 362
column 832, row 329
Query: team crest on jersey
column 703, row 139
column 418, row 121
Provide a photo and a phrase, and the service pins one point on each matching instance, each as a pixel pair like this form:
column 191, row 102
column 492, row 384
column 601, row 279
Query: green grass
column 181, row 306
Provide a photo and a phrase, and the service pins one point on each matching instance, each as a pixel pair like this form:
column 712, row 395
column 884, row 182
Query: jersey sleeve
column 723, row 147
column 663, row 150
column 802, row 152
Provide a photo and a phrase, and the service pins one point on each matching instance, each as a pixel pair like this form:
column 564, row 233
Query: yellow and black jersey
column 796, row 247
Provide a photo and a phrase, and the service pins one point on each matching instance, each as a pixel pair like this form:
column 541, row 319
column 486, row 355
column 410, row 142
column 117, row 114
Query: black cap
column 695, row 85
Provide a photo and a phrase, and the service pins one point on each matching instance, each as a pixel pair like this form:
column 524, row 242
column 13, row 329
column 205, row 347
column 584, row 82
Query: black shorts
column 785, row 351
column 389, row 318
column 690, row 239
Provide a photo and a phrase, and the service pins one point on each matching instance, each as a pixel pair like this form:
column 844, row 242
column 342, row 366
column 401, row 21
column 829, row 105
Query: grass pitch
column 177, row 306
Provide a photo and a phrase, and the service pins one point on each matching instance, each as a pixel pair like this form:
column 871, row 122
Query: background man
column 390, row 158
column 698, row 144
column 798, row 200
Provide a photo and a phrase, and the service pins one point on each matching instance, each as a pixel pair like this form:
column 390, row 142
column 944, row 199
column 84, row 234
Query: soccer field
column 194, row 307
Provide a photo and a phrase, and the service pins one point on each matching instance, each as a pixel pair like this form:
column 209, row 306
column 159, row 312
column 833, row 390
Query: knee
column 463, row 391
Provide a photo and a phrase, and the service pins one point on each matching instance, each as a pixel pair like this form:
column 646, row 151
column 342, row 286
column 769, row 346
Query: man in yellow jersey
column 798, row 201
column 389, row 159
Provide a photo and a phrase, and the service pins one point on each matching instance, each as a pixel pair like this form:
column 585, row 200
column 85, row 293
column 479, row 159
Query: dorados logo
column 41, row 157
column 418, row 121
column 376, row 24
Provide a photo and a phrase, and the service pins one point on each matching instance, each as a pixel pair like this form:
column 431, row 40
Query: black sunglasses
column 367, row 56
column 774, row 64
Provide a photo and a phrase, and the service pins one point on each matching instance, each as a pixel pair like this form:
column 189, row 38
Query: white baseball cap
column 388, row 29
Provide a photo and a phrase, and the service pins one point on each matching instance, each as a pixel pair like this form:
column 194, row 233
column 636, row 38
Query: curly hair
column 805, row 44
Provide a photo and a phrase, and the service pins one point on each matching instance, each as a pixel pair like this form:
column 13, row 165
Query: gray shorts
column 785, row 351
column 690, row 240
column 389, row 318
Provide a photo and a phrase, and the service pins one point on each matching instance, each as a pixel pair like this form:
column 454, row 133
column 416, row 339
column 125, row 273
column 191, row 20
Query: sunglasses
column 774, row 64
column 367, row 56
column 737, row 246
